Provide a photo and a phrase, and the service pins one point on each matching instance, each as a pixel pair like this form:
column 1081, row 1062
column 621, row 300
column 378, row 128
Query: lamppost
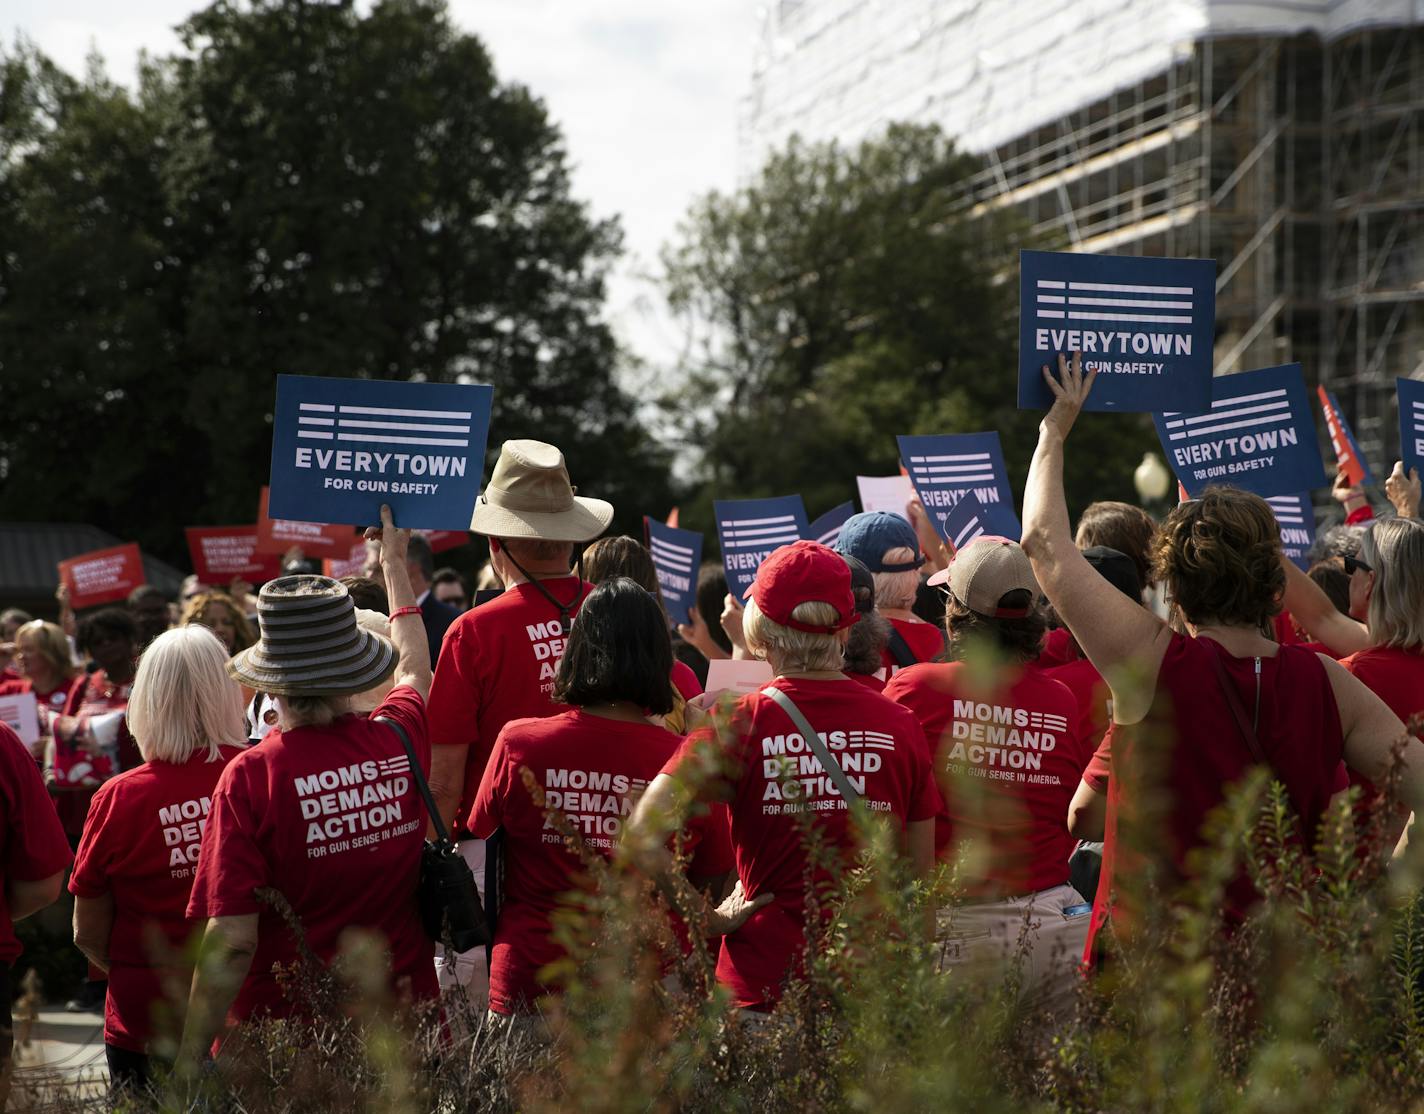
column 1152, row 481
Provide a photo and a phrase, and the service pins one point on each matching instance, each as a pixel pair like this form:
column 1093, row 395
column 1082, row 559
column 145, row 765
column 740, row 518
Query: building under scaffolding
column 1284, row 140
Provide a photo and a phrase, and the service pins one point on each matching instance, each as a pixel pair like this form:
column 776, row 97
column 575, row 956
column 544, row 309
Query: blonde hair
column 896, row 590
column 368, row 701
column 197, row 608
column 183, row 700
column 1394, row 549
column 309, row 711
column 795, row 651
column 52, row 645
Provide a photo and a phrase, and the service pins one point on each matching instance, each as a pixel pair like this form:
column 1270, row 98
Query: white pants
column 1040, row 936
column 470, row 969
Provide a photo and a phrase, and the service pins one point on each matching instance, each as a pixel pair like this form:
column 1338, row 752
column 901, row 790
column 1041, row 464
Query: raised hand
column 1070, row 389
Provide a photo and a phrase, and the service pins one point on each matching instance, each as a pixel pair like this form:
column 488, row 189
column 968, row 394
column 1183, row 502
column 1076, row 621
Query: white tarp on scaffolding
column 989, row 70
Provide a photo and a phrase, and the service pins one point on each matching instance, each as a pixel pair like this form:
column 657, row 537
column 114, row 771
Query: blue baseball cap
column 869, row 536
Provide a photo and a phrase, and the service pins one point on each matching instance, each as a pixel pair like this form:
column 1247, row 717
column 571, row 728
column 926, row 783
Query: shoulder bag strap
column 1238, row 710
column 818, row 748
column 900, row 650
column 441, row 834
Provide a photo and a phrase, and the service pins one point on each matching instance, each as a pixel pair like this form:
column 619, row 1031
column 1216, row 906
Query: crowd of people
column 255, row 761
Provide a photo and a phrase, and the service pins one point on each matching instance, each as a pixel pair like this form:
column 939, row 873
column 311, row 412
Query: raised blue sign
column 1144, row 324
column 965, row 522
column 1258, row 435
column 749, row 529
column 677, row 555
column 1411, row 423
column 827, row 528
column 342, row 447
column 1296, row 515
column 946, row 467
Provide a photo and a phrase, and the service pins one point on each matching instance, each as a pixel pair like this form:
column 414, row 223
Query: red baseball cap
column 804, row 572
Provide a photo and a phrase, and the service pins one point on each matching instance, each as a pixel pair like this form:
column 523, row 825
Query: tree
column 846, row 295
column 302, row 189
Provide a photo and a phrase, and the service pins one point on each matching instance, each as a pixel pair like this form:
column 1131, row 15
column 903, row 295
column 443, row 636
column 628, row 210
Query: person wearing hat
column 499, row 661
column 798, row 615
column 1006, row 750
column 865, row 648
column 887, row 545
column 324, row 810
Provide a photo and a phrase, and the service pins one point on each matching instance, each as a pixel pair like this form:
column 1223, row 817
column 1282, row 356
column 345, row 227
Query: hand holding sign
column 1070, row 391
column 1403, row 491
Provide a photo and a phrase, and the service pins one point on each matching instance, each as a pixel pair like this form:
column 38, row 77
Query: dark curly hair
column 1220, row 559
column 1018, row 639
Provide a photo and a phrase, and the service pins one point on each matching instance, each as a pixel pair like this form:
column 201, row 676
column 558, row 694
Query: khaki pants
column 1037, row 937
column 470, row 969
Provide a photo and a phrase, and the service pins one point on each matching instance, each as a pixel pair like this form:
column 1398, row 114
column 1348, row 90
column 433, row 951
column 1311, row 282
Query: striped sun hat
column 311, row 644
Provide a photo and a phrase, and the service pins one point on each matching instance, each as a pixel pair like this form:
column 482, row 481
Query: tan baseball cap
column 985, row 571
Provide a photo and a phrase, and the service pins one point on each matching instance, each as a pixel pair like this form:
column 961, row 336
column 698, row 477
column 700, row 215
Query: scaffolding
column 1293, row 158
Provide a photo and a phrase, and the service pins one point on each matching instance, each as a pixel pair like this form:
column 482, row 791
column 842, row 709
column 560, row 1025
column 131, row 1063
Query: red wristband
column 398, row 612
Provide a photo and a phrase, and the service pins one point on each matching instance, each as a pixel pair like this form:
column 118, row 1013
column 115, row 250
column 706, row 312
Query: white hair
column 183, row 699
column 896, row 590
column 795, row 651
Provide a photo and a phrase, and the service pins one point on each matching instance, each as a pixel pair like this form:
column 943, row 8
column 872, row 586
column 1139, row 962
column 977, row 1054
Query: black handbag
column 449, row 900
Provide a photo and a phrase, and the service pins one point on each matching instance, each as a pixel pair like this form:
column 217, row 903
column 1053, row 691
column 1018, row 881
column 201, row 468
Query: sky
column 646, row 92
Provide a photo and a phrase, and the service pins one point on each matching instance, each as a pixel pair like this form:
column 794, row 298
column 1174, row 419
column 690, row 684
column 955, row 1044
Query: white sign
column 738, row 676
column 20, row 713
column 885, row 493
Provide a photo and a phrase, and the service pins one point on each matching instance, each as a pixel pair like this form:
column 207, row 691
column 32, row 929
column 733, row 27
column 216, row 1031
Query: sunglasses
column 1354, row 565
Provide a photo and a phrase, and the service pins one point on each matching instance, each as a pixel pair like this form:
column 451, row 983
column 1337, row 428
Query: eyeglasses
column 1354, row 565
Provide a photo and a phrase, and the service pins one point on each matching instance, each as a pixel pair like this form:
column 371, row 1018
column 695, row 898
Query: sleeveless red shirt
column 1195, row 752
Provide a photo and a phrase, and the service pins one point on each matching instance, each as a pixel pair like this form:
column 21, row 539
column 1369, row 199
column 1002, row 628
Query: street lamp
column 1151, row 479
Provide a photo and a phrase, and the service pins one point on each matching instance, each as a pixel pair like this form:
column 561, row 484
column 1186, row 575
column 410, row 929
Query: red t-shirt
column 1058, row 648
column 685, row 680
column 770, row 772
column 1206, row 754
column 32, row 842
column 497, row 664
column 926, row 642
column 591, row 769
column 140, row 845
column 1396, row 676
column 331, row 818
column 92, row 695
column 1094, row 700
column 869, row 680
column 1008, row 760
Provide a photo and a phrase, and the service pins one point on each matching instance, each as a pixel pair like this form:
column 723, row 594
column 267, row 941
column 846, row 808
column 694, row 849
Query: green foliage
column 846, row 295
column 304, row 188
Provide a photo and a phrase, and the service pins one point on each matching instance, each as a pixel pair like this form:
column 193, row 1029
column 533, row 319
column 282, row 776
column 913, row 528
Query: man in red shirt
column 498, row 661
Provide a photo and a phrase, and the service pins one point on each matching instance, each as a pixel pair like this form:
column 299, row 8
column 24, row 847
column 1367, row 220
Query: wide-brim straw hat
column 529, row 496
column 311, row 644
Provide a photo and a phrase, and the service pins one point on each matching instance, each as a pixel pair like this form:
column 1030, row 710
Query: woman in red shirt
column 325, row 810
column 591, row 763
column 887, row 545
column 46, row 669
column 1194, row 711
column 1007, row 755
column 134, row 869
column 773, row 782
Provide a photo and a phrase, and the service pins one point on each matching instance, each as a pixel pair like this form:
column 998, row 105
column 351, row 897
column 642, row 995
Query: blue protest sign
column 1258, row 435
column 965, row 522
column 749, row 529
column 1144, row 324
column 1411, row 423
column 827, row 528
column 677, row 554
column 1296, row 516
column 342, row 447
column 947, row 466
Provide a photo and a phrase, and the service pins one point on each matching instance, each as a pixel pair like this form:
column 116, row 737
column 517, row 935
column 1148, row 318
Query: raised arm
column 1318, row 617
column 1113, row 631
column 407, row 630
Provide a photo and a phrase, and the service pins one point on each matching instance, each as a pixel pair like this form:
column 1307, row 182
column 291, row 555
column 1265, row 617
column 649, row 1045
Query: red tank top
column 1203, row 753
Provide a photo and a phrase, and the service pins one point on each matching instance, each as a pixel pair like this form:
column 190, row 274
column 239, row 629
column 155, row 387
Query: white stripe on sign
column 939, row 469
column 1050, row 284
column 762, row 543
column 1271, row 419
column 1051, row 299
column 304, row 420
column 955, row 478
column 1233, row 402
column 1128, row 303
column 670, row 547
column 1289, row 519
column 1123, row 288
column 388, row 439
column 1050, row 313
column 1104, row 315
column 830, row 538
column 319, row 406
column 783, row 519
column 757, row 531
column 417, row 427
column 673, row 561
column 389, row 412
column 315, row 435
column 948, row 459
column 968, row 533
column 1238, row 412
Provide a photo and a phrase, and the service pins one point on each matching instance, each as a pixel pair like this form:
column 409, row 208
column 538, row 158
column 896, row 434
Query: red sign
column 1341, row 441
column 222, row 552
column 277, row 535
column 103, row 576
column 354, row 564
column 445, row 539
